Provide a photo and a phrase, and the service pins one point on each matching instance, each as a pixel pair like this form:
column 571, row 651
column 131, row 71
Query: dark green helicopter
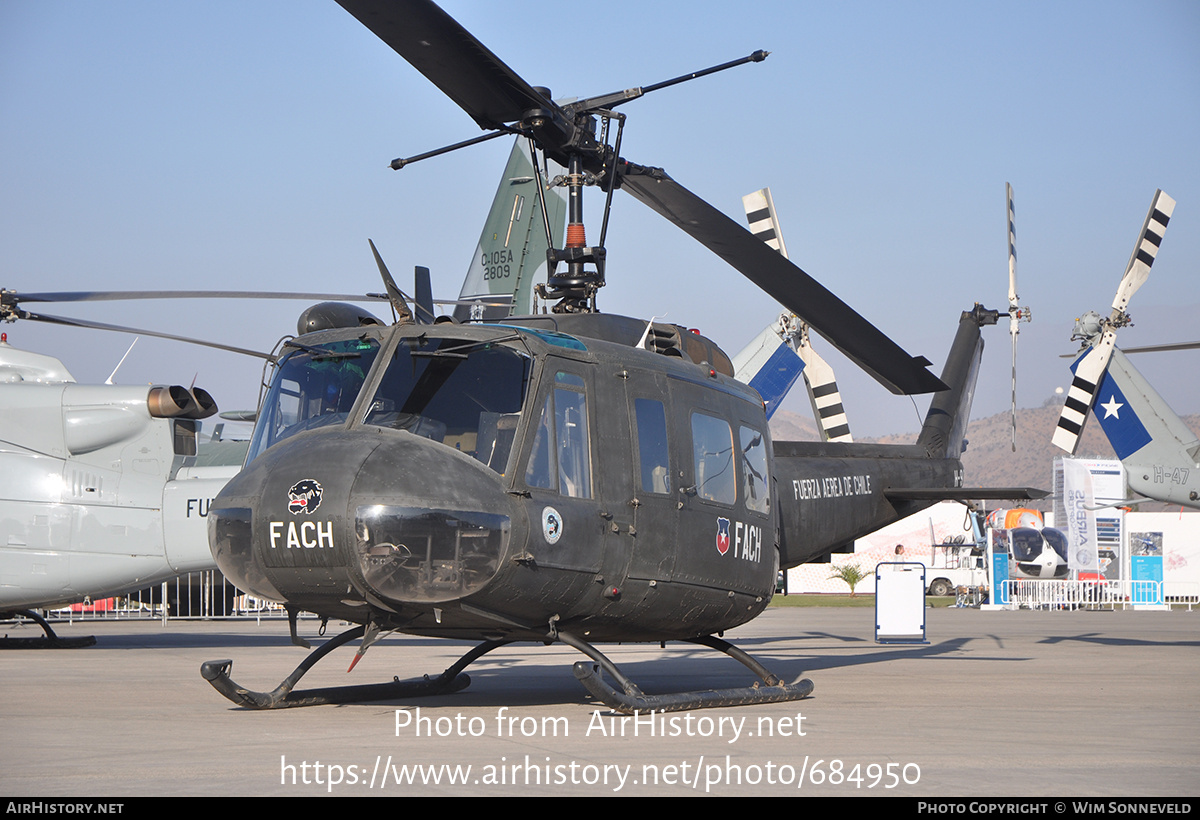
column 570, row 476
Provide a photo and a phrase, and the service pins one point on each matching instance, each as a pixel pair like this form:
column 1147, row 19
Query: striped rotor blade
column 764, row 224
column 818, row 374
column 1014, row 390
column 1089, row 370
column 1013, row 299
column 825, row 396
column 1014, row 302
column 1146, row 249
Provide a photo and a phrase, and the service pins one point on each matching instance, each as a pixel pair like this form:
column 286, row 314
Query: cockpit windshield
column 464, row 394
column 314, row 386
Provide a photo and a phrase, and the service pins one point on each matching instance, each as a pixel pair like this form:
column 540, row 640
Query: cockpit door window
column 560, row 458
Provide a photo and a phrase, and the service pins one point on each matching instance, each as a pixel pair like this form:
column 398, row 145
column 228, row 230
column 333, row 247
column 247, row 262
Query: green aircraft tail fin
column 511, row 255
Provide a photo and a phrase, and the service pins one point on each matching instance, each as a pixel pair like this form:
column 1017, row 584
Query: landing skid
column 48, row 641
column 627, row 701
column 282, row 697
column 631, row 699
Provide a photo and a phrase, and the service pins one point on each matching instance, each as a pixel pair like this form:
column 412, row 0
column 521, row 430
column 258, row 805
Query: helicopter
column 98, row 495
column 1161, row 455
column 571, row 476
column 105, row 490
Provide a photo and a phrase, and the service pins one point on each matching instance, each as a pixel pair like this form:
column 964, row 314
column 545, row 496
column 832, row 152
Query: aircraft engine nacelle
column 99, row 416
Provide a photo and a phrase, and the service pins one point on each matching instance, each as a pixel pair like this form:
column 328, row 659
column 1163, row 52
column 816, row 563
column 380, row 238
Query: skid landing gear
column 627, row 701
column 48, row 641
column 631, row 699
column 282, row 697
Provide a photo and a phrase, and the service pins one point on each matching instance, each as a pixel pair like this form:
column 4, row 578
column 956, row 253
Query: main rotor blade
column 451, row 58
column 836, row 321
column 60, row 320
column 1162, row 348
column 123, row 295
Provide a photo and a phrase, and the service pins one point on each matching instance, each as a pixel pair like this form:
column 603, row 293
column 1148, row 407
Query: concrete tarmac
column 1009, row 704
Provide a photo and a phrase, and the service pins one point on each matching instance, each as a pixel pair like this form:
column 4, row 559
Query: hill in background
column 989, row 460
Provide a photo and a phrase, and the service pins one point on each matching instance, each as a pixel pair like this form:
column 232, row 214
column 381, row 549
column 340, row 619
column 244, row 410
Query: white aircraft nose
column 1048, row 561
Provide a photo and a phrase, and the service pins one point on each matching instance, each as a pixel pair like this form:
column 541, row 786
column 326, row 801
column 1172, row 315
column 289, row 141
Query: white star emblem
column 1110, row 409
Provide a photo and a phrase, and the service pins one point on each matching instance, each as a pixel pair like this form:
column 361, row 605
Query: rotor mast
column 568, row 135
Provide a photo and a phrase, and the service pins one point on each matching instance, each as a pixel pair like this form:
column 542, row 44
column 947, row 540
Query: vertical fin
column 1160, row 452
column 510, row 258
column 944, row 431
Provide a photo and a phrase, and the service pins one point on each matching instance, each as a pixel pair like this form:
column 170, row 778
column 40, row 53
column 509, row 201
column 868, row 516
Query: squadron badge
column 304, row 497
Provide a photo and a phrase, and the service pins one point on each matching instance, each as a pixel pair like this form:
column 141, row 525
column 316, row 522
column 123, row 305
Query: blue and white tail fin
column 778, row 355
column 769, row 364
column 1161, row 455
column 1100, row 333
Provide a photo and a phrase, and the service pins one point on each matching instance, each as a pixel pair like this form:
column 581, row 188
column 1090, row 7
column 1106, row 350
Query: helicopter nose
column 431, row 524
column 401, row 518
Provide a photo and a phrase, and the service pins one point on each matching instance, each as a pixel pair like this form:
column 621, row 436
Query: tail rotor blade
column 1014, row 303
column 1089, row 371
column 1144, row 252
column 818, row 374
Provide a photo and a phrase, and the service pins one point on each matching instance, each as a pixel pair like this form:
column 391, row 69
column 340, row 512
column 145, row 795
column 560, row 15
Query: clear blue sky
column 243, row 145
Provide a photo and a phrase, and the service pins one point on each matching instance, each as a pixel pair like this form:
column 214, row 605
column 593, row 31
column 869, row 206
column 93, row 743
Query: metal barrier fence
column 196, row 595
column 1033, row 594
column 1182, row 593
column 1030, row 594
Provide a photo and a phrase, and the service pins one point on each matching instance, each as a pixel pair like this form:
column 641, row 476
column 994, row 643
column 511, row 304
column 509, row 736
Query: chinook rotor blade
column 451, row 58
column 837, row 322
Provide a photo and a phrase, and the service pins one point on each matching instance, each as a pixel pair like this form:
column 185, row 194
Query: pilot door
column 566, row 528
